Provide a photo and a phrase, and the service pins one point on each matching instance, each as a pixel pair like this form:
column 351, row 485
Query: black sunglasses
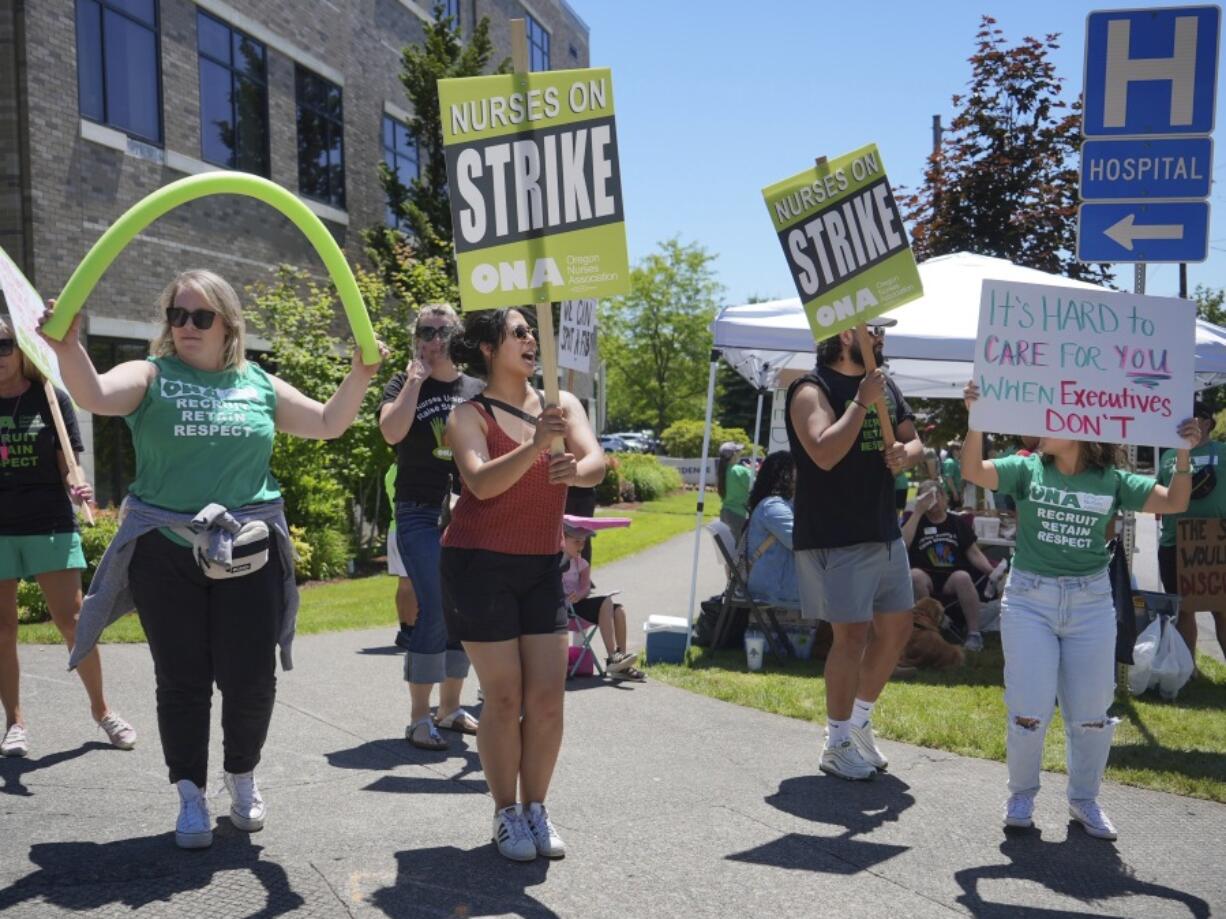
column 177, row 316
column 7, row 346
column 523, row 332
column 876, row 331
column 431, row 332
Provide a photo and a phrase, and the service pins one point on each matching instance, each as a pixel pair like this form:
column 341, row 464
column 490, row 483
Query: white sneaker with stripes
column 512, row 835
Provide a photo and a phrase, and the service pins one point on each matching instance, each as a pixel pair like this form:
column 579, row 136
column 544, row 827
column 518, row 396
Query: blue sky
column 716, row 100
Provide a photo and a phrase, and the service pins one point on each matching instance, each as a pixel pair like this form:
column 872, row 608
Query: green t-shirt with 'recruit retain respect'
column 204, row 436
column 1208, row 467
column 1062, row 519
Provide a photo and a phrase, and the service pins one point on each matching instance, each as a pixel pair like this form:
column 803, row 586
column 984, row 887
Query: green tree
column 1004, row 179
column 423, row 204
column 656, row 339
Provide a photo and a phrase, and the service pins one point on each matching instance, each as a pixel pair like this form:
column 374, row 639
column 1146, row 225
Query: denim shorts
column 851, row 583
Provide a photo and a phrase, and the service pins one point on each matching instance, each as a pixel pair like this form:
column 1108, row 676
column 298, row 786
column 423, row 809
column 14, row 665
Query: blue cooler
column 665, row 639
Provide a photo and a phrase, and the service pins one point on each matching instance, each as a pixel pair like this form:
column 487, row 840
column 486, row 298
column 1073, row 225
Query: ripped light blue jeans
column 1059, row 641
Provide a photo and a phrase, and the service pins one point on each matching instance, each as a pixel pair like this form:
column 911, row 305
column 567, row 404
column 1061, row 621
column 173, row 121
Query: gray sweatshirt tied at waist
column 110, row 594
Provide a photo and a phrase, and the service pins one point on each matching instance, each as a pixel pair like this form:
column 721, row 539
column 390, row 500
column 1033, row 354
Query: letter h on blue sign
column 1151, row 71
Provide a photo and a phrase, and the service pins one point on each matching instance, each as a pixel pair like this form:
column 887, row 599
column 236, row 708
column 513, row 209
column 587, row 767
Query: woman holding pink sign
column 1057, row 612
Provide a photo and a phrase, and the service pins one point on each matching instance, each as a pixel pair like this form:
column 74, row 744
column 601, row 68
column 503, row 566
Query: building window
column 114, row 458
column 402, row 156
column 119, row 82
column 233, row 97
column 452, row 8
column 538, row 44
column 321, row 139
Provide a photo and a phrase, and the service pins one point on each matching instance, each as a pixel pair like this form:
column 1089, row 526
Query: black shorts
column 1167, row 564
column 588, row 609
column 493, row 596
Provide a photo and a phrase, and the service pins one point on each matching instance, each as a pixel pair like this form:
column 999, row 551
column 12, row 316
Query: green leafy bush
column 651, row 478
column 684, row 438
column 609, row 489
column 329, row 553
column 31, row 605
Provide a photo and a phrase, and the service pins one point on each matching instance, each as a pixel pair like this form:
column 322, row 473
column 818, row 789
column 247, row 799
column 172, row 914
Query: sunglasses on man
column 202, row 319
column 7, row 346
column 431, row 332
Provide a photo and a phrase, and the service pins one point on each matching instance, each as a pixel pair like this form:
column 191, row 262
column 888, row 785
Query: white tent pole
column 702, row 494
column 757, row 423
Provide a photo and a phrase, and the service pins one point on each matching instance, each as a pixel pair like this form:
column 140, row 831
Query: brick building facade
column 103, row 101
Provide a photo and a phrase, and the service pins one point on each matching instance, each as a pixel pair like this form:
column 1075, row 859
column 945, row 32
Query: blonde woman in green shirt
column 1057, row 612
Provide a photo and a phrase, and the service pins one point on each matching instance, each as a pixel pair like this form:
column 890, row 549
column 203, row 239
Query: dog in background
column 926, row 646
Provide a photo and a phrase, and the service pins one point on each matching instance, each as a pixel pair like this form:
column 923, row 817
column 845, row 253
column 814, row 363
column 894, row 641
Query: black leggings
column 201, row 630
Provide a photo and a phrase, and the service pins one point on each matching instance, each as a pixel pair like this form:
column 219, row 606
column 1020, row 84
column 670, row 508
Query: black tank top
column 853, row 503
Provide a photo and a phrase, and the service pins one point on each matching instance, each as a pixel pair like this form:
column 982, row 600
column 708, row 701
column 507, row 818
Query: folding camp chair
column 736, row 596
column 586, row 632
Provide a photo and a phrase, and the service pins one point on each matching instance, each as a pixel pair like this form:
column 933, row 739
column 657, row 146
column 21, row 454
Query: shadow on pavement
column 14, row 768
column 382, row 651
column 447, row 881
column 1085, row 869
column 149, row 869
column 859, row 808
column 387, row 755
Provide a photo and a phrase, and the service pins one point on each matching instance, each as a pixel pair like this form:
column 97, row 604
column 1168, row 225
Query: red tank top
column 526, row 519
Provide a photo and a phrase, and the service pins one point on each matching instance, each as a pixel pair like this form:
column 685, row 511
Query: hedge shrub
column 648, row 478
column 683, row 439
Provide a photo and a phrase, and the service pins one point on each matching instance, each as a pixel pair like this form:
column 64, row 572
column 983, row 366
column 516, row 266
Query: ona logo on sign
column 507, row 276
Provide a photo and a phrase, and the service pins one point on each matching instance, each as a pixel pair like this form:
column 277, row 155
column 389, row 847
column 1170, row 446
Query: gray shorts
column 851, row 583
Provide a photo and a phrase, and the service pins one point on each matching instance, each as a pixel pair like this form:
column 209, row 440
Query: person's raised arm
column 825, row 439
column 119, row 391
column 923, row 504
column 396, row 416
column 488, row 478
column 975, row 469
column 302, row 416
column 1174, row 498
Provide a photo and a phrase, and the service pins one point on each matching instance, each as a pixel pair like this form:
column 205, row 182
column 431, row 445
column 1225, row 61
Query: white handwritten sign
column 25, row 306
column 577, row 337
column 1083, row 364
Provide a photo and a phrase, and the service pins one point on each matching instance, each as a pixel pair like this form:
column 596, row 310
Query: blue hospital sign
column 1151, row 71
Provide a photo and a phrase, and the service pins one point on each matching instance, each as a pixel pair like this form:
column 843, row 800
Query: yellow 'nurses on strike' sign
column 536, row 203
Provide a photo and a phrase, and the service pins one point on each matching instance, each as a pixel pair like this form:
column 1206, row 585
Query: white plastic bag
column 1143, row 654
column 1161, row 660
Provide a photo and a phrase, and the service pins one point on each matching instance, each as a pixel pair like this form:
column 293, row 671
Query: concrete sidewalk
column 672, row 805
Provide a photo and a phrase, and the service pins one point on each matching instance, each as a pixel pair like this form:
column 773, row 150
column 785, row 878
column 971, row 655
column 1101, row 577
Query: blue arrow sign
column 1151, row 71
column 1174, row 167
column 1140, row 231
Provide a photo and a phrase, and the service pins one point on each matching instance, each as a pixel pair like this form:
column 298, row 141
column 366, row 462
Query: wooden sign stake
column 870, row 364
column 75, row 475
column 546, row 343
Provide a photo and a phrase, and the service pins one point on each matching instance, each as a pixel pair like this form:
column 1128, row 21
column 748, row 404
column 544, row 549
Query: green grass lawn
column 367, row 603
column 1178, row 747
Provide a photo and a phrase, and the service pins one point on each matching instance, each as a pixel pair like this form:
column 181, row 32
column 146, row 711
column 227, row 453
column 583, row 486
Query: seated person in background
column 768, row 544
column 608, row 616
column 945, row 562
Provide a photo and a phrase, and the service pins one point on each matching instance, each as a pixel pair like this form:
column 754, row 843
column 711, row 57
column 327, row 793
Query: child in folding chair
column 610, row 617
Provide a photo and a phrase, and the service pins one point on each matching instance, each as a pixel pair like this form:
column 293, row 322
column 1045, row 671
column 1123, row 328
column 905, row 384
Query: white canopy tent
column 930, row 351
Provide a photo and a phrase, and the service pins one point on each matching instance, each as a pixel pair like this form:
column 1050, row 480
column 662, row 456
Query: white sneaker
column 16, row 741
column 866, row 744
column 247, row 807
column 195, row 827
column 548, row 843
column 1092, row 819
column 846, row 762
column 121, row 734
column 974, row 642
column 1019, row 811
column 512, row 835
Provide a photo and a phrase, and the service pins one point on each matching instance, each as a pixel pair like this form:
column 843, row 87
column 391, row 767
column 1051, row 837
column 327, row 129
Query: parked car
column 635, row 442
column 611, row 443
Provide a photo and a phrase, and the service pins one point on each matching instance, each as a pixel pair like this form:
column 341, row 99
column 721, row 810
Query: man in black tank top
column 851, row 564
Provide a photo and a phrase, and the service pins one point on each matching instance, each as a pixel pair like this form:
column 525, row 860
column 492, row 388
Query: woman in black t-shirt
column 413, row 416
column 38, row 536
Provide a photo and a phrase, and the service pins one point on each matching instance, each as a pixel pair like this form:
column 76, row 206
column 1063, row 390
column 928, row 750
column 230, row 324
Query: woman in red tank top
column 501, row 567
